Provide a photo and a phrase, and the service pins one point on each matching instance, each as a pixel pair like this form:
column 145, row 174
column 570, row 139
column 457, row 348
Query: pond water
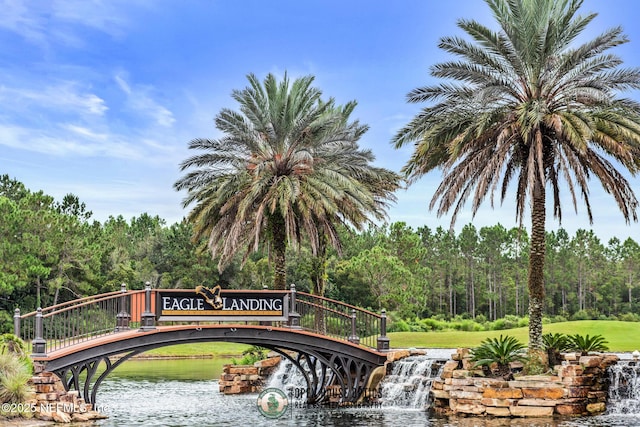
column 185, row 393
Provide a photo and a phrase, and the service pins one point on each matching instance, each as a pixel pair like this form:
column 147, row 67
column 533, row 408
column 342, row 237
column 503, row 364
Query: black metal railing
column 339, row 320
column 76, row 321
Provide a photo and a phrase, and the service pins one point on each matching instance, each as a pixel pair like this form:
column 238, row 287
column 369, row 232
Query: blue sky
column 99, row 98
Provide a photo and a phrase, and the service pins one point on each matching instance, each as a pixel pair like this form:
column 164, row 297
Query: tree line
column 53, row 251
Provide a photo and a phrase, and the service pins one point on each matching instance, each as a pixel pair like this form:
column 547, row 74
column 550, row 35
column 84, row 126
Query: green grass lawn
column 621, row 336
column 205, row 349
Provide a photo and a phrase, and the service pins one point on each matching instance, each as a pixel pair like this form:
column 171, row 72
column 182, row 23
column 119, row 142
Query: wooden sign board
column 215, row 304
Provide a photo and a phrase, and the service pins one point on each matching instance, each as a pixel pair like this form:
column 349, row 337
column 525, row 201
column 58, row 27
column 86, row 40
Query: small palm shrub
column 499, row 352
column 586, row 344
column 554, row 344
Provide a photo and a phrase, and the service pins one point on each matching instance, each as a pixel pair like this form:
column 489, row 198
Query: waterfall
column 624, row 388
column 287, row 377
column 407, row 386
column 409, row 383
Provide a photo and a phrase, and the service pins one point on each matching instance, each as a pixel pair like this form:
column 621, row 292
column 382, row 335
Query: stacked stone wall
column 577, row 387
column 52, row 402
column 238, row 379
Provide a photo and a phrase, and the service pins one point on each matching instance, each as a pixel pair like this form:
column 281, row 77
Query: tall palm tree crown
column 287, row 167
column 523, row 106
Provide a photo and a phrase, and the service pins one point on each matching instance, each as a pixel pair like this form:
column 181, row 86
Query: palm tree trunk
column 536, row 267
column 279, row 241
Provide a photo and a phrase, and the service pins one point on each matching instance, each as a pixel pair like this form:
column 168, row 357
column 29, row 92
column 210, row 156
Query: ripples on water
column 163, row 393
column 198, row 403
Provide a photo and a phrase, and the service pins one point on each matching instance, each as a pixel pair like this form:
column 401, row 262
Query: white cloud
column 104, row 16
column 71, row 141
column 124, row 86
column 17, row 17
column 66, row 119
column 46, row 23
column 65, row 96
column 140, row 100
column 85, row 132
column 157, row 112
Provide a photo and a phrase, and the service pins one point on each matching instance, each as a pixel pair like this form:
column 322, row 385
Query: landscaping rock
column 579, row 388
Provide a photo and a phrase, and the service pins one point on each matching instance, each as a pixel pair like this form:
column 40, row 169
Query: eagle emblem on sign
column 212, row 296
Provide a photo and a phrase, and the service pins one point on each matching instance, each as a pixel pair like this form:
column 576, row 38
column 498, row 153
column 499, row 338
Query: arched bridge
column 331, row 343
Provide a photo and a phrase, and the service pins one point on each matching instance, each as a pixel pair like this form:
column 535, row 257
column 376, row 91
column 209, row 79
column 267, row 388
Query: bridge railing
column 339, row 320
column 81, row 320
column 73, row 322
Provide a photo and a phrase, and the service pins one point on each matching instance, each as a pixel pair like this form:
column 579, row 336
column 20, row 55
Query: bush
column 13, row 345
column 508, row 322
column 481, row 318
column 629, row 317
column 554, row 344
column 399, row 326
column 586, row 344
column 581, row 315
column 556, row 341
column 558, row 318
column 499, row 351
column 467, row 325
column 416, row 326
column 498, row 325
column 251, row 355
column 14, row 375
column 10, row 343
column 431, row 324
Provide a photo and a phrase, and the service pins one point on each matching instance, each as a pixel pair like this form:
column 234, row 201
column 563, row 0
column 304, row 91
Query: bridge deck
column 177, row 334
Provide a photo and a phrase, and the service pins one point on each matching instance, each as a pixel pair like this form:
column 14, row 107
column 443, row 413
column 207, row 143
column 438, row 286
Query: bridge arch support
column 323, row 361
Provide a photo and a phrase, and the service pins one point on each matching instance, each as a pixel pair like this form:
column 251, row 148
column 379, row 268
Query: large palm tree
column 287, row 167
column 523, row 105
